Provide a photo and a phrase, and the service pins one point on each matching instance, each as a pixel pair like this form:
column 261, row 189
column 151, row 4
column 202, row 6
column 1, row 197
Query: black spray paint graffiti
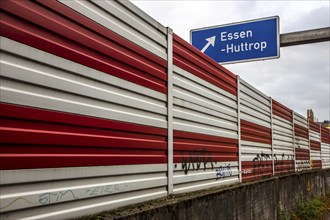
column 297, row 141
column 261, row 163
column 223, row 171
column 279, row 162
column 303, row 165
column 196, row 160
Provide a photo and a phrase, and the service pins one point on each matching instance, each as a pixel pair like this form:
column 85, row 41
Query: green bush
column 309, row 210
column 313, row 209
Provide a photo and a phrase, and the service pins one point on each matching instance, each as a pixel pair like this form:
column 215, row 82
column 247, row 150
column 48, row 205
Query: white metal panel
column 255, row 106
column 300, row 120
column 315, row 155
column 201, row 107
column 88, row 206
column 315, row 136
column 74, row 88
column 125, row 19
column 301, row 143
column 282, row 136
column 122, row 185
column 325, row 154
column 250, row 149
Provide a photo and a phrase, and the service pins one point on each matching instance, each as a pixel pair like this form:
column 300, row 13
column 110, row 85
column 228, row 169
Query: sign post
column 239, row 42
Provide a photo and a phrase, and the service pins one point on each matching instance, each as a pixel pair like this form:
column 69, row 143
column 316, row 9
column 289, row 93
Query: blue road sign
column 239, row 42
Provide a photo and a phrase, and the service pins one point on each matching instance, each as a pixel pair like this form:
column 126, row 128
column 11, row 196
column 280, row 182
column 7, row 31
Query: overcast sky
column 299, row 79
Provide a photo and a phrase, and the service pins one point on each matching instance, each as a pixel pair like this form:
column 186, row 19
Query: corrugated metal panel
column 315, row 145
column 301, row 142
column 193, row 61
column 316, row 161
column 202, row 107
column 325, row 154
column 204, row 121
column 85, row 125
column 255, row 106
column 283, row 146
column 34, row 194
column 325, row 147
column 76, row 89
column 132, row 24
column 68, row 34
column 203, row 161
column 35, row 138
column 256, row 134
column 325, row 135
column 80, row 105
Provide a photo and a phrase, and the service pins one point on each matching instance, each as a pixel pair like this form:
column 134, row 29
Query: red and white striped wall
column 301, row 142
column 255, row 133
column 205, row 138
column 315, row 145
column 325, row 147
column 103, row 107
column 283, row 139
column 83, row 108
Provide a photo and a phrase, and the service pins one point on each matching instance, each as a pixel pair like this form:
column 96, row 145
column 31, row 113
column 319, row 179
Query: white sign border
column 244, row 22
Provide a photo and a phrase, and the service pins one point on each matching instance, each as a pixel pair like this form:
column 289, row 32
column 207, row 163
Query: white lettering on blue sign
column 232, row 48
column 241, row 47
column 244, row 41
column 236, row 35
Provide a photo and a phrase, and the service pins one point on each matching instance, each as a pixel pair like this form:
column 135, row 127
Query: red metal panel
column 300, row 131
column 315, row 127
column 192, row 60
column 57, row 29
column 283, row 165
column 205, row 150
column 315, row 145
column 316, row 164
column 35, row 138
column 259, row 168
column 302, row 154
column 255, row 133
column 281, row 110
column 325, row 135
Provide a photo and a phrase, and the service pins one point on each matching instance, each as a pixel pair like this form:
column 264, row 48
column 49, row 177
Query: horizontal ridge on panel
column 281, row 110
column 192, row 60
column 109, row 53
column 36, row 138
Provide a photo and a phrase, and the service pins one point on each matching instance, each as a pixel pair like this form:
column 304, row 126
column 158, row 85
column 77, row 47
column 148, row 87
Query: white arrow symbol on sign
column 211, row 41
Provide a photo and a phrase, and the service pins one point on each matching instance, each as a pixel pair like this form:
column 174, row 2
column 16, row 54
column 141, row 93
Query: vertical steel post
column 294, row 142
column 170, row 110
column 320, row 129
column 239, row 129
column 272, row 133
column 309, row 145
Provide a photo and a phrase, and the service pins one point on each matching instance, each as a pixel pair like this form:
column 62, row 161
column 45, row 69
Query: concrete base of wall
column 259, row 200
